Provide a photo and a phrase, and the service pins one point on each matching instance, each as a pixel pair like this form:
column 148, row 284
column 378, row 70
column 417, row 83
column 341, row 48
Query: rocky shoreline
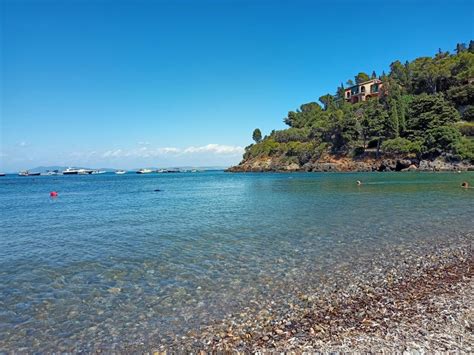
column 347, row 164
column 422, row 302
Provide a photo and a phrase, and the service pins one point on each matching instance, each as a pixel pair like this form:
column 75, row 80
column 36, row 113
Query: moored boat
column 2, row 174
column 51, row 173
column 120, row 172
column 27, row 173
column 70, row 171
column 98, row 172
column 144, row 171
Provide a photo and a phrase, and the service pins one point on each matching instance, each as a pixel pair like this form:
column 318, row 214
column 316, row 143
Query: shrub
column 466, row 128
column 304, row 151
column 468, row 114
column 442, row 139
column 401, row 146
column 465, row 149
column 266, row 147
column 291, row 135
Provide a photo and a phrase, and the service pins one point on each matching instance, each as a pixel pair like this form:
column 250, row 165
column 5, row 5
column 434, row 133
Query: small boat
column 84, row 172
column 27, row 173
column 51, row 173
column 70, row 171
column 2, row 174
column 144, row 171
column 168, row 171
column 99, row 172
column 120, row 172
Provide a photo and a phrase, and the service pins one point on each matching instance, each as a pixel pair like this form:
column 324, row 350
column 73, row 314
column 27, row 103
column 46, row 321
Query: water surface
column 111, row 262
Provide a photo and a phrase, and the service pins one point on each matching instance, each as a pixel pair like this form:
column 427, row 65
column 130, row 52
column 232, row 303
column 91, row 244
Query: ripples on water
column 111, row 262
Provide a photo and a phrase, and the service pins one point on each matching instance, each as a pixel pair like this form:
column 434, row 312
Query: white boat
column 120, row 172
column 84, row 172
column 27, row 173
column 2, row 174
column 70, row 171
column 51, row 173
column 144, row 171
column 99, row 172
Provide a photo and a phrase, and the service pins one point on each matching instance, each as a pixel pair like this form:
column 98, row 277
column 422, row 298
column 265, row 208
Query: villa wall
column 363, row 91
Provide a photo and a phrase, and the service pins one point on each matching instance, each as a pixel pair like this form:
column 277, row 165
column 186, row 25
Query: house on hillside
column 363, row 91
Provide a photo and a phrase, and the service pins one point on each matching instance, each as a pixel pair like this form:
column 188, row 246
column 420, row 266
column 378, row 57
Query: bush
column 303, row 151
column 442, row 139
column 401, row 146
column 266, row 147
column 466, row 128
column 465, row 149
column 291, row 135
column 468, row 114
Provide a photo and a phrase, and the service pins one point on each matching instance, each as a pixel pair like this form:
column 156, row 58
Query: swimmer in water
column 465, row 185
column 359, row 182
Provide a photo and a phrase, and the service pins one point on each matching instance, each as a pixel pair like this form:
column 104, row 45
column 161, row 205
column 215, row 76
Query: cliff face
column 346, row 164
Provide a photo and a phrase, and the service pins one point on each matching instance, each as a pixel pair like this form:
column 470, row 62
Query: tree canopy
column 426, row 108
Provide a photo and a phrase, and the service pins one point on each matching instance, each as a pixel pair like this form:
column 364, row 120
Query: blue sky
column 161, row 83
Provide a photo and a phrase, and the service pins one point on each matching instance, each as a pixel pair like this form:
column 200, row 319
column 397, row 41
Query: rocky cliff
column 346, row 164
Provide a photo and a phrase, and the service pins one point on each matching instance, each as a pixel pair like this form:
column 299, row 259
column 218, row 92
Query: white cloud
column 149, row 152
column 22, row 144
column 215, row 148
column 169, row 150
column 113, row 153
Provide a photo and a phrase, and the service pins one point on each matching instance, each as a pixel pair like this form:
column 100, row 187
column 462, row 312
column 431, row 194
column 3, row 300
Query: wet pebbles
column 414, row 300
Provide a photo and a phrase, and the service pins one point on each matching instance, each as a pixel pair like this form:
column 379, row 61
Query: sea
column 139, row 260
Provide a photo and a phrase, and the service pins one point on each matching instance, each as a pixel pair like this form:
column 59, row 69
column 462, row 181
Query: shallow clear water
column 111, row 262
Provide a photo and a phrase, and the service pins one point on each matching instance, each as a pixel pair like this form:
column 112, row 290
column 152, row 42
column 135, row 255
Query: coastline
column 423, row 302
column 331, row 163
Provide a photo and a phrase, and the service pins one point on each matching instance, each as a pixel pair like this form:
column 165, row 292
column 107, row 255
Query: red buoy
column 53, row 194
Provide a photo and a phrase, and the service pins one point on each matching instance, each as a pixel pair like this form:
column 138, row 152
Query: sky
column 128, row 84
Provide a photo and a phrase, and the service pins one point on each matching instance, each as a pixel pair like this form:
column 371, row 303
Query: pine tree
column 257, row 135
column 393, row 128
column 471, row 46
column 401, row 110
column 361, row 77
column 374, row 75
column 460, row 47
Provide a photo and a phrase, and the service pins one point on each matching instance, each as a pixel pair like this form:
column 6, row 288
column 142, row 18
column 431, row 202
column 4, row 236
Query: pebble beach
column 422, row 303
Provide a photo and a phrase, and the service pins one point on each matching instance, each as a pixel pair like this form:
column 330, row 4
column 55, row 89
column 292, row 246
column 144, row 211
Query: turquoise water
column 111, row 262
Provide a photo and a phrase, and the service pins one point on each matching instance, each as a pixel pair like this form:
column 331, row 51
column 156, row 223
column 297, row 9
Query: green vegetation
column 257, row 135
column 425, row 109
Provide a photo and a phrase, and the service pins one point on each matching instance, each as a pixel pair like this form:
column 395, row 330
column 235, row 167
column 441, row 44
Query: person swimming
column 359, row 182
column 465, row 185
